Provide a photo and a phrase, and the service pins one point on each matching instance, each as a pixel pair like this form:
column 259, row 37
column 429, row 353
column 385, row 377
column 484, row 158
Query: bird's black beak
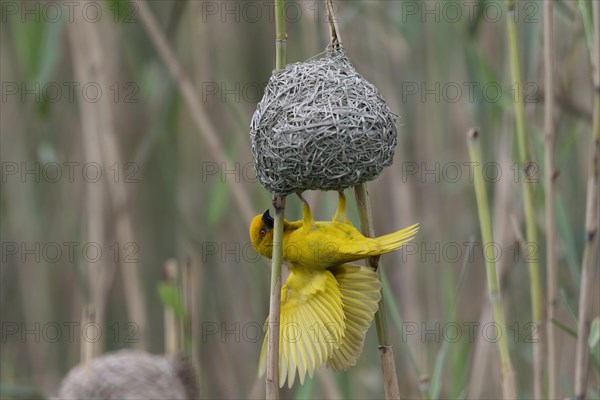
column 268, row 220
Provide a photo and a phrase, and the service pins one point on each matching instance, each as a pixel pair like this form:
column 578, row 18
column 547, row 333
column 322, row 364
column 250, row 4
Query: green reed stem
column 549, row 175
column 508, row 382
column 530, row 224
column 272, row 380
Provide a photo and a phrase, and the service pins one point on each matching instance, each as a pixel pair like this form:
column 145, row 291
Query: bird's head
column 261, row 233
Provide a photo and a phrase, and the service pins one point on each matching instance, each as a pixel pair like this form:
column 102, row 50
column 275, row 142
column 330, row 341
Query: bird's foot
column 307, row 218
column 340, row 213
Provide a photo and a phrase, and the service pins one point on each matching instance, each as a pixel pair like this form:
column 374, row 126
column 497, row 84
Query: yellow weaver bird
column 327, row 304
column 323, row 244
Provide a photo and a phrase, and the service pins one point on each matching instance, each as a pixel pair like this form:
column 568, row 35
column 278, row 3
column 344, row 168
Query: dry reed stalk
column 386, row 352
column 171, row 322
column 590, row 251
column 97, row 271
column 549, row 176
column 272, row 379
column 97, row 122
column 87, row 351
column 192, row 328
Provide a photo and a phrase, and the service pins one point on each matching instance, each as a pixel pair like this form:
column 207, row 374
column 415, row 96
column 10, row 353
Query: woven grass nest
column 321, row 125
column 131, row 374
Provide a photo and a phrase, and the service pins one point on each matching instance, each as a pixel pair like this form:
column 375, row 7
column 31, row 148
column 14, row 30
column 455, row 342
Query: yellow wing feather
column 361, row 291
column 311, row 324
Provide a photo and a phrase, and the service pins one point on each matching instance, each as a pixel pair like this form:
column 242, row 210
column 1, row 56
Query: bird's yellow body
column 323, row 244
column 327, row 304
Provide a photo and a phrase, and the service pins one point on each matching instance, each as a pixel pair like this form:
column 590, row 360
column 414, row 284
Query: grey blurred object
column 321, row 125
column 131, row 374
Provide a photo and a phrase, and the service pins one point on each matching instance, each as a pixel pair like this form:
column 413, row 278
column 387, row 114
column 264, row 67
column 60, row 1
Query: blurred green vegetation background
column 75, row 106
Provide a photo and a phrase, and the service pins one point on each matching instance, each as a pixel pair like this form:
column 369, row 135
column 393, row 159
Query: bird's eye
column 262, row 232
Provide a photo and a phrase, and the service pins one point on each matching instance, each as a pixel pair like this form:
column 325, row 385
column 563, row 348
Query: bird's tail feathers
column 393, row 241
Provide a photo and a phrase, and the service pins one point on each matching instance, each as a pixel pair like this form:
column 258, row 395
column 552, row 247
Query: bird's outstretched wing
column 361, row 291
column 311, row 324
